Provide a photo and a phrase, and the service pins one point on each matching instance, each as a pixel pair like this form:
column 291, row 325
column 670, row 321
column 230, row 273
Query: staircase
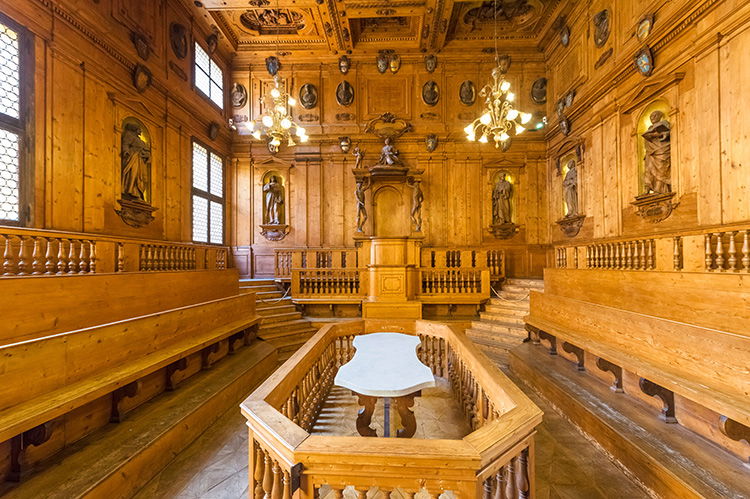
column 501, row 325
column 282, row 325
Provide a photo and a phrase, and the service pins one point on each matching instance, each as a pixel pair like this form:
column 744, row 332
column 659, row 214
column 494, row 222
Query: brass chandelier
column 500, row 120
column 276, row 123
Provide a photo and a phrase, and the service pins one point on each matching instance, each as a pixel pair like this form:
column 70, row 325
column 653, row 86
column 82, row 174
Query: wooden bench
column 37, row 306
column 48, row 377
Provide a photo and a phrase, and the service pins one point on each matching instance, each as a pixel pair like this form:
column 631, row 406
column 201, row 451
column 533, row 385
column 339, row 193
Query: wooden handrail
column 46, row 252
column 497, row 453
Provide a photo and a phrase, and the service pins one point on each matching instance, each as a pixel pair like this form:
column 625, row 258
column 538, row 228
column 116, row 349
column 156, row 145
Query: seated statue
column 389, row 155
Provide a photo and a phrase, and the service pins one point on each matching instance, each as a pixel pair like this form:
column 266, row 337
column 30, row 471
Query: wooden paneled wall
column 458, row 176
column 83, row 64
column 699, row 49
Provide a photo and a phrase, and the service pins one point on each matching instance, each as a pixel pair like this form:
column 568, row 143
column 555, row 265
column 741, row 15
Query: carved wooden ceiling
column 363, row 26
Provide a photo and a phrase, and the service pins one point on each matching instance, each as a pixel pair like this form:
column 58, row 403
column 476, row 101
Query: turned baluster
column 146, row 257
column 286, row 480
column 259, row 472
column 746, row 251
column 8, row 258
column 522, row 474
column 92, row 257
column 627, row 259
column 707, row 251
column 36, row 256
column 62, row 264
column 276, row 491
column 83, row 263
column 510, row 482
column 73, row 258
column 121, row 259
column 499, row 486
column 22, row 264
column 732, row 261
column 642, row 255
column 649, row 256
column 677, row 253
column 50, row 264
column 141, row 257
column 720, row 251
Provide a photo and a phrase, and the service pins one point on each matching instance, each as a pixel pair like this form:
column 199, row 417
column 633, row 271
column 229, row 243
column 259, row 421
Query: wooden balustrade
column 465, row 258
column 325, row 282
column 454, row 281
column 287, row 259
column 43, row 252
column 690, row 251
column 494, row 461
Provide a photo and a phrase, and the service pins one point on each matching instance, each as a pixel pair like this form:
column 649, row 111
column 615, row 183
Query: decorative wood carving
column 734, row 430
column 605, row 365
column 364, row 415
column 388, row 126
column 18, row 445
column 430, row 93
column 654, row 207
column 644, row 61
column 431, row 142
column 142, row 47
column 571, row 226
column 208, row 356
column 577, row 351
column 130, row 390
column 345, row 93
column 135, row 213
column 178, row 39
column 274, row 232
column 141, row 78
column 601, row 28
column 172, row 369
column 467, row 93
column 544, row 335
column 667, row 397
column 603, row 58
column 408, row 421
column 239, row 95
column 539, row 91
column 308, row 96
column 235, row 341
column 430, row 62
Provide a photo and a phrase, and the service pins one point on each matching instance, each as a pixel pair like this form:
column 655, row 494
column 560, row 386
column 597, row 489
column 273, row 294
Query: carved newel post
column 571, row 223
column 135, row 174
column 655, row 203
column 502, row 217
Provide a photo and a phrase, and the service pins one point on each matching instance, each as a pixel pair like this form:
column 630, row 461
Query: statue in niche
column 136, row 163
column 417, row 199
column 359, row 156
column 389, row 154
column 273, row 195
column 359, row 194
column 570, row 189
column 657, row 172
column 501, row 195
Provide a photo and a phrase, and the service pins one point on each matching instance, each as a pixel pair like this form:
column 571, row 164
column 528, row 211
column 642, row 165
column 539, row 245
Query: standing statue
column 359, row 156
column 136, row 163
column 570, row 189
column 657, row 172
column 416, row 204
column 273, row 194
column 359, row 194
column 501, row 200
column 389, row 154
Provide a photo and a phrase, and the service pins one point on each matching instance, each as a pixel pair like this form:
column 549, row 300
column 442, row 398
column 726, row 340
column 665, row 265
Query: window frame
column 194, row 191
column 200, row 92
column 23, row 126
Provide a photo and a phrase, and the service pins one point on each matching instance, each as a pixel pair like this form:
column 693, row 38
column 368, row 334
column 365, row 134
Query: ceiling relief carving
column 349, row 27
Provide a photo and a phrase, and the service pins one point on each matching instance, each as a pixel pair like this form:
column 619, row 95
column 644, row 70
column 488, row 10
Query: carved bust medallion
column 539, row 91
column 430, row 62
column 308, row 95
column 239, row 95
column 178, row 40
column 344, row 64
column 430, row 94
column 467, row 93
column 345, row 93
column 382, row 61
column 601, row 28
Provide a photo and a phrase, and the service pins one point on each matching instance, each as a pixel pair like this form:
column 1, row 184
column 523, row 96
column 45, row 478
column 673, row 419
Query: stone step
column 257, row 289
column 281, row 328
column 501, row 318
column 280, row 317
column 506, row 310
column 123, row 457
column 500, row 327
column 514, row 304
column 530, row 283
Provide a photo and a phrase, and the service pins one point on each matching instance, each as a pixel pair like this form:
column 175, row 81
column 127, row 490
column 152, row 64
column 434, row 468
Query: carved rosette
column 274, row 232
column 504, row 231
column 571, row 226
column 654, row 207
column 135, row 213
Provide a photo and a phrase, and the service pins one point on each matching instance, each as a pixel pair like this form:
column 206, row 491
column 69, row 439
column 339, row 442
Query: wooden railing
column 287, row 259
column 726, row 250
column 494, row 460
column 465, row 258
column 448, row 281
column 325, row 282
column 45, row 252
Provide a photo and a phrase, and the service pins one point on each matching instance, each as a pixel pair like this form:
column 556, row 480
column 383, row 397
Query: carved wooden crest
column 571, row 226
column 141, row 77
column 387, row 126
column 601, row 28
column 654, row 208
column 178, row 40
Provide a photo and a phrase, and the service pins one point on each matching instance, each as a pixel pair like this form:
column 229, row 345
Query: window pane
column 201, row 81
column 200, row 219
column 217, row 176
column 217, row 96
column 217, row 223
column 9, row 76
column 202, row 68
column 200, row 167
column 216, row 74
column 9, row 176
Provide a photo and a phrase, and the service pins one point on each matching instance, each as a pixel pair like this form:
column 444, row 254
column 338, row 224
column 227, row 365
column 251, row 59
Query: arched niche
column 512, row 178
column 391, row 216
column 135, row 161
column 565, row 164
column 643, row 124
column 273, row 201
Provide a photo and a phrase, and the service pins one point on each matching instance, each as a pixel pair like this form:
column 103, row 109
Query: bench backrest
column 37, row 367
column 36, row 306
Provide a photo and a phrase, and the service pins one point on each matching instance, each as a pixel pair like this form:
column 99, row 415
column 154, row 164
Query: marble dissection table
column 385, row 365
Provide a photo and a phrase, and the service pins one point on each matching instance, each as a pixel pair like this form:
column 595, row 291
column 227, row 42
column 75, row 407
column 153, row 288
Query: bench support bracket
column 666, row 396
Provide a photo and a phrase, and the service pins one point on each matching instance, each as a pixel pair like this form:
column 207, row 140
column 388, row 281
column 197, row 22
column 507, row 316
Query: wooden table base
column 403, row 405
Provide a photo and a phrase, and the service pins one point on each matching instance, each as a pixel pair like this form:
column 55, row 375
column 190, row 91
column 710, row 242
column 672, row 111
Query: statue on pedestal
column 416, row 204
column 273, row 194
column 359, row 156
column 359, row 194
column 389, row 154
column 570, row 189
column 501, row 195
column 136, row 163
column 657, row 172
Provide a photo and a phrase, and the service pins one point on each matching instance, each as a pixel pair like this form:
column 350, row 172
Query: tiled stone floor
column 437, row 414
column 567, row 465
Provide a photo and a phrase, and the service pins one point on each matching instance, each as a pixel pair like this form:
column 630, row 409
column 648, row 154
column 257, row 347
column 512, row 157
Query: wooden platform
column 669, row 459
column 120, row 458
